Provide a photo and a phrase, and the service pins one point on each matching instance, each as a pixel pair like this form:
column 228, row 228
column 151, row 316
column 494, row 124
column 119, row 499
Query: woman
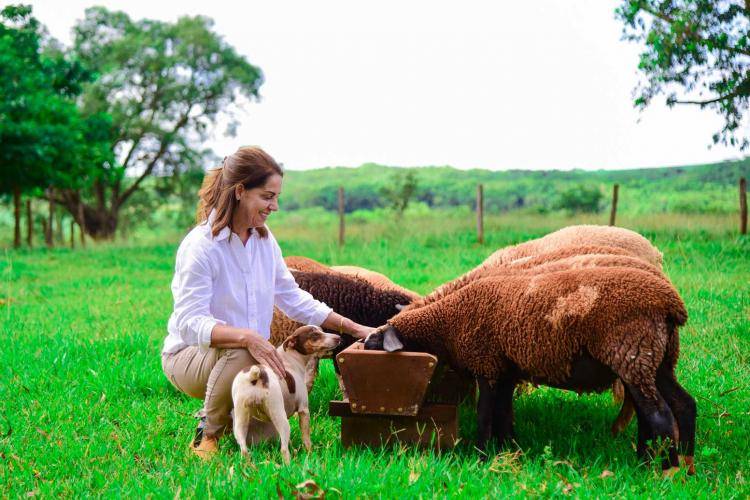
column 228, row 276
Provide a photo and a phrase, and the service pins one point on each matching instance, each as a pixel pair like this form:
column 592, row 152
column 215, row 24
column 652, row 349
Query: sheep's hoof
column 689, row 461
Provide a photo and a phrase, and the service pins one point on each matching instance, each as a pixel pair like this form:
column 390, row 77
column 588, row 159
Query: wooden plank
column 435, row 425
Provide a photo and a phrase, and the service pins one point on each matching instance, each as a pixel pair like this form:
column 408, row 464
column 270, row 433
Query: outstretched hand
column 265, row 353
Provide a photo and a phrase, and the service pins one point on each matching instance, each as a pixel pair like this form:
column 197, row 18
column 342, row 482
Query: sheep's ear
column 401, row 307
column 391, row 342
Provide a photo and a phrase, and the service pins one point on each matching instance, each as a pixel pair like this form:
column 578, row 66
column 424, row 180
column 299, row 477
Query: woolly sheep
column 524, row 265
column 625, row 240
column 349, row 296
column 376, row 279
column 609, row 236
column 575, row 329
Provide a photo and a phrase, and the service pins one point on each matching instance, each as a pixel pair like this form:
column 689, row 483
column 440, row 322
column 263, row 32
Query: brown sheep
column 520, row 265
column 576, row 329
column 350, row 296
column 626, row 241
column 609, row 236
column 376, row 279
column 299, row 263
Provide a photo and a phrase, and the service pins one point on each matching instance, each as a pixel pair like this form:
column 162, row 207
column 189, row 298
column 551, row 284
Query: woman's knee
column 238, row 359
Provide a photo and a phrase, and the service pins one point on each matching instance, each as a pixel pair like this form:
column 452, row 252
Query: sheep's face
column 385, row 338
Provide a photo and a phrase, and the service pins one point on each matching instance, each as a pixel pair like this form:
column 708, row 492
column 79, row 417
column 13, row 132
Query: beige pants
column 208, row 375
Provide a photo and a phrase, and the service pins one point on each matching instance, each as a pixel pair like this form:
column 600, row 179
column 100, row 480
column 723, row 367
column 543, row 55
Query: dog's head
column 310, row 340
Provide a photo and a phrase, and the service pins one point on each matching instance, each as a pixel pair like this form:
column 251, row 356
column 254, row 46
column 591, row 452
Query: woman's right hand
column 265, row 353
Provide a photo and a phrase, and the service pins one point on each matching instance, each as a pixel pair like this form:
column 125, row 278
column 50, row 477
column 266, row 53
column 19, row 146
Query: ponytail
column 209, row 193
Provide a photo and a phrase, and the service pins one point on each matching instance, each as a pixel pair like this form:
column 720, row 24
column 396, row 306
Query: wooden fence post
column 29, row 224
column 341, row 215
column 613, row 213
column 743, row 206
column 480, row 213
column 72, row 233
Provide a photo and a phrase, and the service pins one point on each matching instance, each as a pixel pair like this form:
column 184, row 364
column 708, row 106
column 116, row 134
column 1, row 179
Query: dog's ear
column 289, row 343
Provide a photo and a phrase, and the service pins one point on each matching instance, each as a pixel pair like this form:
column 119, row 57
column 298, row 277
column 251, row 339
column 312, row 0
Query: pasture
column 86, row 410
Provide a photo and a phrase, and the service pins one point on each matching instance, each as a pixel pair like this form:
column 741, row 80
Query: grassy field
column 86, row 410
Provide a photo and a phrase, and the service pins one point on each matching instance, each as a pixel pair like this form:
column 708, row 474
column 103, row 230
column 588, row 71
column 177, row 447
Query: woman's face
column 256, row 204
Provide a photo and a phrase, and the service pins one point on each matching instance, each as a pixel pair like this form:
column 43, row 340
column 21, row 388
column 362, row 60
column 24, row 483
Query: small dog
column 263, row 404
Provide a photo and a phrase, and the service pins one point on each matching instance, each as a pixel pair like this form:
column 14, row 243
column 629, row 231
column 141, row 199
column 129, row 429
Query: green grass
column 86, row 410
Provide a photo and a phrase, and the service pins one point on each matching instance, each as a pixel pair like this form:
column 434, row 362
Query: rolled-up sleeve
column 192, row 288
column 292, row 300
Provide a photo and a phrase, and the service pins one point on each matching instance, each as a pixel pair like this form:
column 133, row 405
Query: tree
column 165, row 85
column 697, row 52
column 400, row 191
column 40, row 127
column 580, row 198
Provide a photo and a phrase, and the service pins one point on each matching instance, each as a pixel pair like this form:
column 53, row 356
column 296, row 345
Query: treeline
column 708, row 188
column 83, row 127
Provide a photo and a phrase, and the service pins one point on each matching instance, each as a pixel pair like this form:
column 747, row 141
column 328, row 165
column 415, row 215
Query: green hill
column 710, row 188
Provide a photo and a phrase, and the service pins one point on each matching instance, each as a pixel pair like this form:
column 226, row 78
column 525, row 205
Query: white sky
column 498, row 85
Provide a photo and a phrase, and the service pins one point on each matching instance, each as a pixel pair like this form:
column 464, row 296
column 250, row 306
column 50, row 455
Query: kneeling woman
column 228, row 276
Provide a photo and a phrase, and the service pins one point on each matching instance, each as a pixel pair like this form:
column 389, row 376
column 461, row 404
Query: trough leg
column 655, row 421
column 485, row 412
column 683, row 406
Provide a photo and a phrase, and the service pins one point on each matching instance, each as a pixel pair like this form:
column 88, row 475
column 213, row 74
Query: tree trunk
column 50, row 223
column 29, row 224
column 100, row 225
column 17, row 216
column 59, row 221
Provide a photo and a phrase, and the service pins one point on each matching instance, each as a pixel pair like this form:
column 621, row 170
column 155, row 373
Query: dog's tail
column 258, row 376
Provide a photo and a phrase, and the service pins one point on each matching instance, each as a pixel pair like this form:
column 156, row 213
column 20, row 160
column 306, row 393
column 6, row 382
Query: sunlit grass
column 85, row 409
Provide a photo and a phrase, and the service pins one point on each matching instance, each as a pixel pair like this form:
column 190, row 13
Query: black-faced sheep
column 376, row 279
column 577, row 330
column 349, row 296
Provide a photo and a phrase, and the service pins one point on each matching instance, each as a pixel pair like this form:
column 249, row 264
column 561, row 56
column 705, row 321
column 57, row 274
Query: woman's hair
column 249, row 166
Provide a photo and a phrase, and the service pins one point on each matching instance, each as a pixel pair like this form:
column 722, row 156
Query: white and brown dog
column 263, row 404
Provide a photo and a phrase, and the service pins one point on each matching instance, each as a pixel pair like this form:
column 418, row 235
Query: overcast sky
column 495, row 84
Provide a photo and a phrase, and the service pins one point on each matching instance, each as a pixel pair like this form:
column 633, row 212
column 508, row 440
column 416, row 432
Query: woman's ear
column 238, row 190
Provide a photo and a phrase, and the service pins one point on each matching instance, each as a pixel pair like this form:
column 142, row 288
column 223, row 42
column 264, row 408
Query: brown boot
column 204, row 446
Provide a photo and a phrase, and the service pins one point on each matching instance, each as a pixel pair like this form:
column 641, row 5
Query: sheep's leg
column 655, row 421
column 485, row 413
column 683, row 406
column 502, row 417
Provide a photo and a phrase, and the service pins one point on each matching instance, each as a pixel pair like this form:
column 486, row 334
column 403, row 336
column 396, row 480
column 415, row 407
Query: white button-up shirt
column 220, row 280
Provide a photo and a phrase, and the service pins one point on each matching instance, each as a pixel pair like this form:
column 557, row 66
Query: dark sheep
column 577, row 329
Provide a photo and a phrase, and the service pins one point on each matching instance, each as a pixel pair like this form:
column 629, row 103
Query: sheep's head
column 385, row 338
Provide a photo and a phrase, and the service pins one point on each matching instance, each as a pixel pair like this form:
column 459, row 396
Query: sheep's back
column 541, row 323
column 376, row 279
column 610, row 236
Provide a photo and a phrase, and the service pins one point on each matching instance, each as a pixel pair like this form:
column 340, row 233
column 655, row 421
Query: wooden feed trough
column 405, row 397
